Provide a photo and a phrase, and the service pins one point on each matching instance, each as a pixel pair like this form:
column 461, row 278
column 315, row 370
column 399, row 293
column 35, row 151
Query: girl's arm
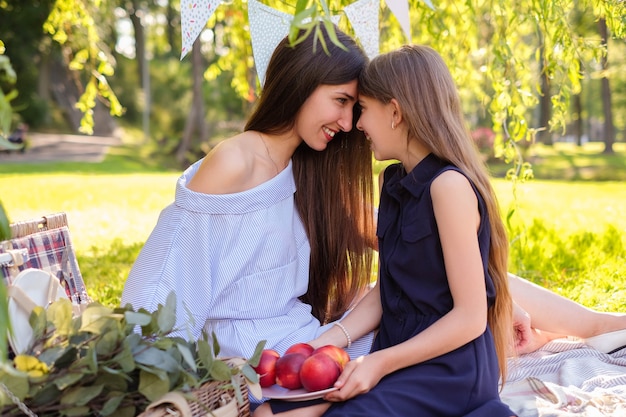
column 456, row 212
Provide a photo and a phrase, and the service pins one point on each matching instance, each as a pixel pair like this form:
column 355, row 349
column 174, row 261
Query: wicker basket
column 28, row 227
column 210, row 394
column 215, row 398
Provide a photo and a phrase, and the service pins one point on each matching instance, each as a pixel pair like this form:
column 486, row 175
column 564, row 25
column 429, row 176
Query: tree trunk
column 173, row 21
column 195, row 120
column 545, row 106
column 578, row 119
column 609, row 128
column 134, row 12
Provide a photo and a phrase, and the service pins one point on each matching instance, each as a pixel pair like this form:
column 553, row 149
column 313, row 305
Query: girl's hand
column 358, row 377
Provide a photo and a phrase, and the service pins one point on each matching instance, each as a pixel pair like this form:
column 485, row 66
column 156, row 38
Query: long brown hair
column 418, row 78
column 334, row 196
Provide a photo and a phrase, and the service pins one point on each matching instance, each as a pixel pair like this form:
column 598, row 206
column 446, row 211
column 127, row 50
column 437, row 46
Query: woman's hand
column 358, row 377
column 523, row 332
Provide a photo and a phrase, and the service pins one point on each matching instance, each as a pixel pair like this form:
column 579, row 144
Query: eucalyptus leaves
column 98, row 364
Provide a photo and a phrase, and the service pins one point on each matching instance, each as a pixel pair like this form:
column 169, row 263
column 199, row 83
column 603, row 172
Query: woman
column 248, row 256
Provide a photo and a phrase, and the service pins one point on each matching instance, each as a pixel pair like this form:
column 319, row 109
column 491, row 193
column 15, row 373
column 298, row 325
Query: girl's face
column 327, row 111
column 375, row 122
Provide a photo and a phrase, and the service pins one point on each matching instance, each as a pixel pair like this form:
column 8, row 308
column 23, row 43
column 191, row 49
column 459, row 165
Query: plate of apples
column 302, row 373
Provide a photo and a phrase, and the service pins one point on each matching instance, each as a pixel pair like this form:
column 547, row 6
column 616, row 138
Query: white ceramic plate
column 34, row 282
column 276, row 392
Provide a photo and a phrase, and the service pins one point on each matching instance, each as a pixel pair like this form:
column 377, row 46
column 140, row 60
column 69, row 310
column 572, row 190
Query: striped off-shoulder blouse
column 237, row 264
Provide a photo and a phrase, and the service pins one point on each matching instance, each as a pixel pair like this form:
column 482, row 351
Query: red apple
column 267, row 367
column 339, row 355
column 303, row 348
column 288, row 370
column 319, row 371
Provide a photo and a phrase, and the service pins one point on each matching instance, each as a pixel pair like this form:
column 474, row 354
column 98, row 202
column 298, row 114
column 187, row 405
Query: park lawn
column 568, row 236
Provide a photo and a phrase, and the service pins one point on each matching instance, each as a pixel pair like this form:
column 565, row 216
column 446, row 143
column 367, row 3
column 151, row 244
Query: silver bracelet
column 345, row 332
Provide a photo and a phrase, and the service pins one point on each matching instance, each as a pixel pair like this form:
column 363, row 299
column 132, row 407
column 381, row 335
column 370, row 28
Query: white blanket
column 567, row 378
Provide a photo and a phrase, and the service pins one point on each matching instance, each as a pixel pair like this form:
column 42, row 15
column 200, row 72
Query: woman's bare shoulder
column 226, row 169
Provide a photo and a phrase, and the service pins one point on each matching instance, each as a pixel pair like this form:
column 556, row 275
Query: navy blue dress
column 415, row 293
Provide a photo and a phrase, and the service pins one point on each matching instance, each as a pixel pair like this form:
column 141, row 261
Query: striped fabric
column 567, row 378
column 52, row 251
column 237, row 264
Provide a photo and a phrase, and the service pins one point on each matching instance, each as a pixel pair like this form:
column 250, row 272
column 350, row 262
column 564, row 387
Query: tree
column 196, row 120
column 609, row 129
column 490, row 46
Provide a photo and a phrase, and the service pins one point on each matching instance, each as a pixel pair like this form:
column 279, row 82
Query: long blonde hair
column 418, row 78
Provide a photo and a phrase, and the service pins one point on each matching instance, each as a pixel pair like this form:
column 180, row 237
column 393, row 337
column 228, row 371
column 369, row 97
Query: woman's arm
column 363, row 319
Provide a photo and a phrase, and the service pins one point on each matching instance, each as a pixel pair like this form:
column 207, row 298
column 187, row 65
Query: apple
column 267, row 367
column 339, row 355
column 319, row 371
column 303, row 348
column 288, row 370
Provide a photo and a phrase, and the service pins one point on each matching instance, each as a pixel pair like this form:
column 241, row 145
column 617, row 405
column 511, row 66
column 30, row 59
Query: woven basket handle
column 171, row 404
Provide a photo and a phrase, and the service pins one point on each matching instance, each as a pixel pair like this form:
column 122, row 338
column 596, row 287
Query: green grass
column 566, row 161
column 569, row 236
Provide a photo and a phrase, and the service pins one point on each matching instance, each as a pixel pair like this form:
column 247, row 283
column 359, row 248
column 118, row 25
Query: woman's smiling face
column 328, row 110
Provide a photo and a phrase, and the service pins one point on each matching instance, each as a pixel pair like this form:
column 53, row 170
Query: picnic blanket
column 567, row 378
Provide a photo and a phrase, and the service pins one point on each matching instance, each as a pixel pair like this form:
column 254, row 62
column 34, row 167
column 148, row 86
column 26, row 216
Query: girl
column 441, row 303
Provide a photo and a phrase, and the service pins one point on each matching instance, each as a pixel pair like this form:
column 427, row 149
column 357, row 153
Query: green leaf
column 16, row 381
column 107, row 343
column 300, row 5
column 256, row 356
column 220, row 371
column 5, row 224
column 125, row 359
column 60, row 314
column 216, row 345
column 167, row 315
column 160, row 373
column 302, row 20
column 38, row 322
column 110, row 406
column 127, row 411
column 250, row 373
column 113, row 379
column 238, row 395
column 187, row 356
column 157, row 358
column 66, row 357
column 46, row 395
column 205, row 354
column 80, row 395
column 153, row 387
column 50, row 355
column 67, row 380
column 88, row 362
column 136, row 318
column 96, row 319
column 330, row 29
column 132, row 341
column 75, row 412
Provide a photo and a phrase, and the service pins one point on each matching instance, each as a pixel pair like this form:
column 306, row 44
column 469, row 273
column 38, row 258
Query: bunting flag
column 193, row 15
column 363, row 16
column 268, row 27
column 400, row 9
